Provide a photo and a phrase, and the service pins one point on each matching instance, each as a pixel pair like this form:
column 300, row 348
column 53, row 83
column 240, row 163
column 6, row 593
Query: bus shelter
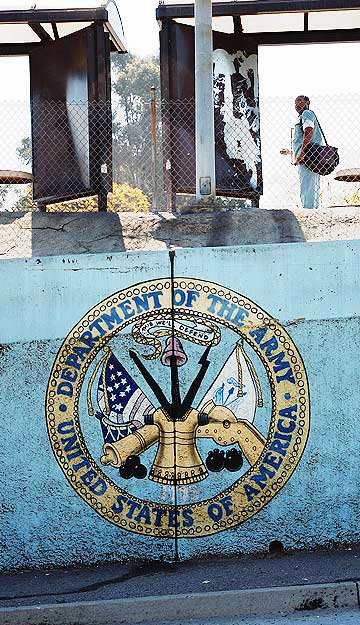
column 239, row 28
column 69, row 45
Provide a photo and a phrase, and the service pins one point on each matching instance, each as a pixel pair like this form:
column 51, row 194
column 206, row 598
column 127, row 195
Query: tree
column 24, row 151
column 133, row 78
column 3, row 193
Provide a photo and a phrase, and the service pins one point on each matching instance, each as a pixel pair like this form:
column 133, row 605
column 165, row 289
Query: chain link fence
column 152, row 162
column 338, row 117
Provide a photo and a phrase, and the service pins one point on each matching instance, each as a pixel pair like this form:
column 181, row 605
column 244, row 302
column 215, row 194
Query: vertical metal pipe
column 154, row 146
column 204, row 102
column 102, row 202
column 306, row 22
column 166, row 122
column 175, row 394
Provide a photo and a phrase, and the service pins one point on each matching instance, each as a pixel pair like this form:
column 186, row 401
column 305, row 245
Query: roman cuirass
column 177, row 459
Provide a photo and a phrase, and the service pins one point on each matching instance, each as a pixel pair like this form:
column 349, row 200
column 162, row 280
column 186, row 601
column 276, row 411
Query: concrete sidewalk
column 124, row 593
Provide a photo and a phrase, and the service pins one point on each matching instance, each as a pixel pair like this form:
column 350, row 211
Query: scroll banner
column 148, row 333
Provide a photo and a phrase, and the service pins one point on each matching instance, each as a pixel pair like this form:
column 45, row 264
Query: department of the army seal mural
column 177, row 409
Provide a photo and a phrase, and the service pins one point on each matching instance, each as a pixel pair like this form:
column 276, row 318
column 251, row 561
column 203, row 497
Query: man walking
column 306, row 131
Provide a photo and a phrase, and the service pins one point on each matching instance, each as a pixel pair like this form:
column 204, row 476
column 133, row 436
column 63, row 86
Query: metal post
column 166, row 112
column 154, row 146
column 102, row 202
column 204, row 102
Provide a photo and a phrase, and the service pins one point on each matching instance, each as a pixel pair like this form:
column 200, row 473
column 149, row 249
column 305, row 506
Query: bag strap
column 321, row 130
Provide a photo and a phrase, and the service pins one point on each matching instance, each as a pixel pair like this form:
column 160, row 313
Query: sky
column 142, row 33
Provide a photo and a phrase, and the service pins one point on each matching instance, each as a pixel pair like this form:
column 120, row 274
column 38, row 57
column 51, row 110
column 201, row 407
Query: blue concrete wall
column 312, row 289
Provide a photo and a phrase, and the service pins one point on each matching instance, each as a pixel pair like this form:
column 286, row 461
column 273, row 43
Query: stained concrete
column 313, row 289
column 260, row 602
column 25, row 235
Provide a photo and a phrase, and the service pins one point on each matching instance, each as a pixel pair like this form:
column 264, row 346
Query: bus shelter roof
column 27, row 23
column 277, row 21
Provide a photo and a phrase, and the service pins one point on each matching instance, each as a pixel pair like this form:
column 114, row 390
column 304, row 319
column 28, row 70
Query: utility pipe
column 204, row 102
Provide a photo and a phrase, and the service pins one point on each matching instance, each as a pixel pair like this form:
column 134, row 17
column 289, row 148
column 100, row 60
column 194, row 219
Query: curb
column 261, row 601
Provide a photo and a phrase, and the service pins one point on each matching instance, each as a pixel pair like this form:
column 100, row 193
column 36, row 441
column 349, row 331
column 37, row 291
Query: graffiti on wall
column 236, row 110
column 177, row 410
column 237, row 120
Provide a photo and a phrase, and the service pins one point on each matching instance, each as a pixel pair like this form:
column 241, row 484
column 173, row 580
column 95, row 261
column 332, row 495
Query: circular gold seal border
column 65, row 409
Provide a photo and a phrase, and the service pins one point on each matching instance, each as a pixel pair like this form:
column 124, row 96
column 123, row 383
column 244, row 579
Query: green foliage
column 24, row 151
column 133, row 78
column 25, row 202
column 3, row 192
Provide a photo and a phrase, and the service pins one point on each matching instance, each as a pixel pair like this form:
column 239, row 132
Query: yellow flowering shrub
column 123, row 198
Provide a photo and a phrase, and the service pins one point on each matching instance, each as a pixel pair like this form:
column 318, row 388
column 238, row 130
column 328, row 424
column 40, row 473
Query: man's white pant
column 309, row 187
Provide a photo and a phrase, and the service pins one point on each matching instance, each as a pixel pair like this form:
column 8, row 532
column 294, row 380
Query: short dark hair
column 304, row 97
